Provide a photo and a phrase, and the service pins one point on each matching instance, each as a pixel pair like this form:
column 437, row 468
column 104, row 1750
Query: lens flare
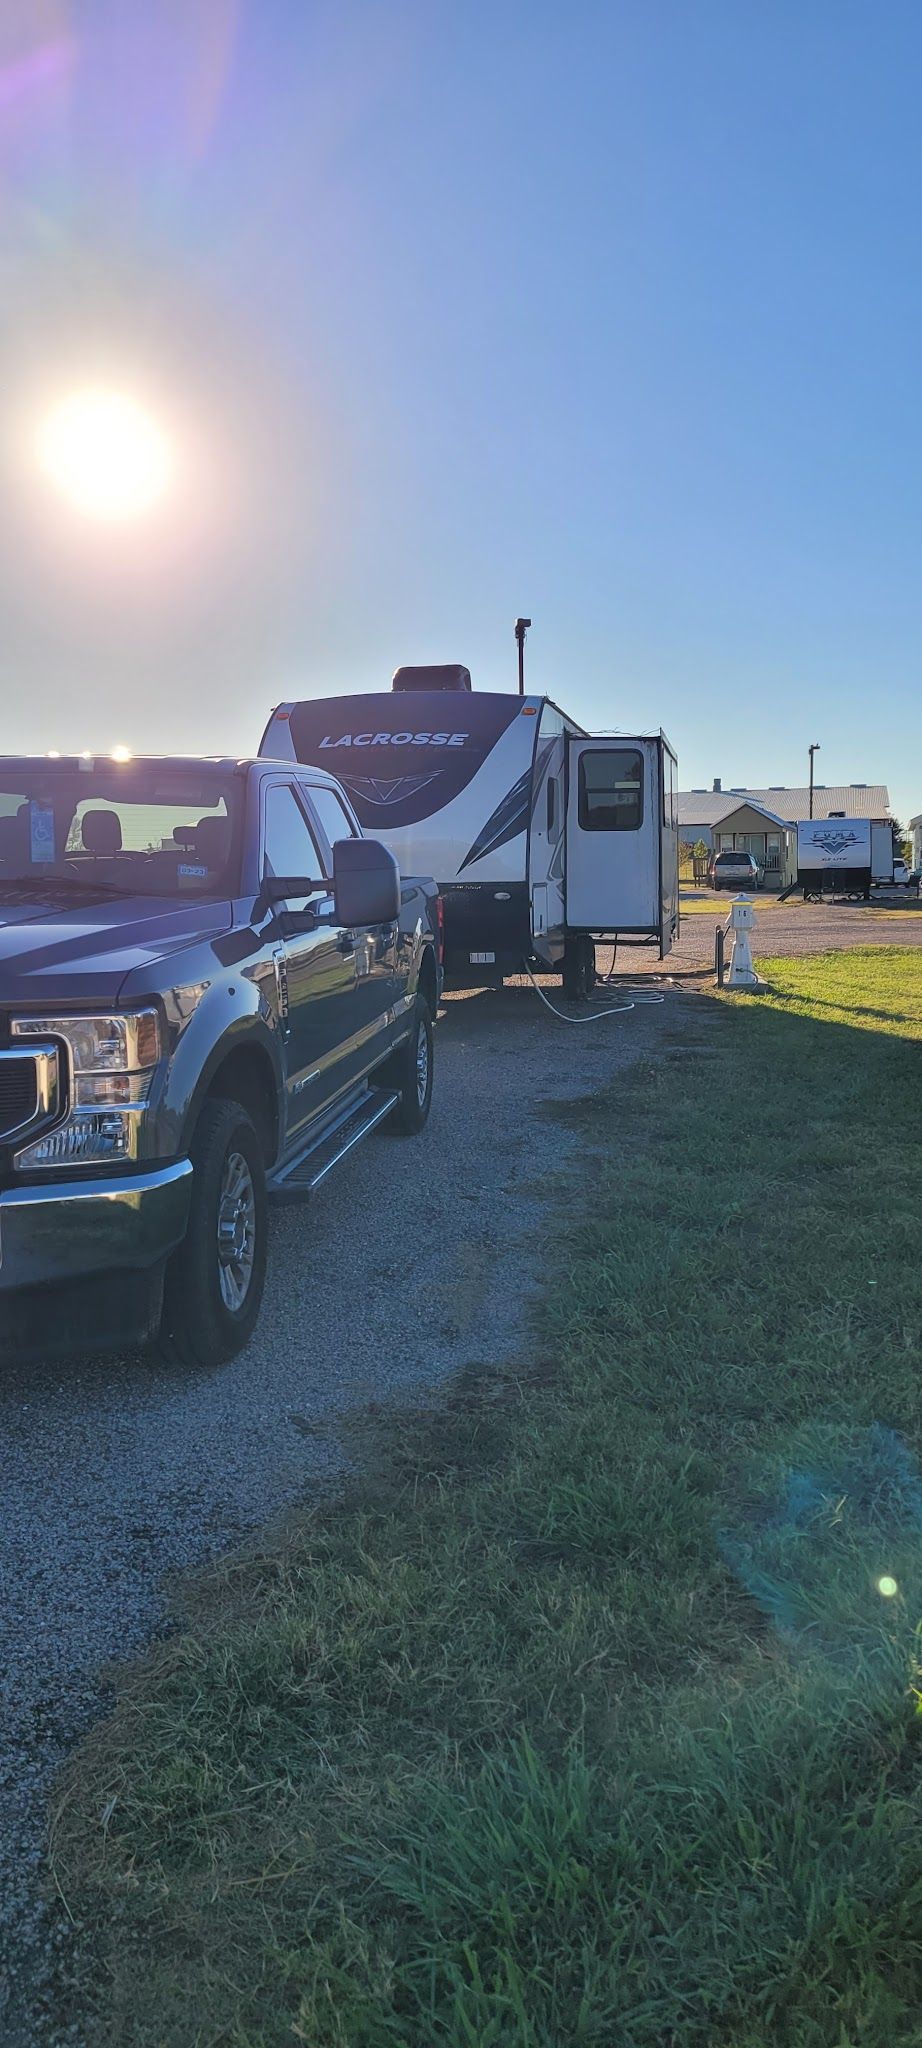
column 105, row 454
column 887, row 1587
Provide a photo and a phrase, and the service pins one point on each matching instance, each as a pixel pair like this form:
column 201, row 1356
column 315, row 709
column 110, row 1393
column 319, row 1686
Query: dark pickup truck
column 211, row 988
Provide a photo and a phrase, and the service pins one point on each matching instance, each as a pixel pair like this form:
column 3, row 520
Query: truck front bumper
column 71, row 1231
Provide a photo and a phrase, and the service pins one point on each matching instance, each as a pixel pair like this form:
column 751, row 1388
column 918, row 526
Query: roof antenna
column 521, row 628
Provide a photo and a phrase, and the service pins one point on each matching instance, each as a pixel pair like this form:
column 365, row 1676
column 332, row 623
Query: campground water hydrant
column 740, row 923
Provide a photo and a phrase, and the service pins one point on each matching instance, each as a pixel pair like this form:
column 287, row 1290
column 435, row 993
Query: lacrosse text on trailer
column 397, row 739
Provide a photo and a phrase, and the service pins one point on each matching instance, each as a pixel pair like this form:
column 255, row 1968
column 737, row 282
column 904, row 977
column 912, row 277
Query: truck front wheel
column 214, row 1281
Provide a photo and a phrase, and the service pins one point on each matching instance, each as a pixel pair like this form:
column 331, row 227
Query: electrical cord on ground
column 640, row 990
column 616, row 1009
column 637, row 994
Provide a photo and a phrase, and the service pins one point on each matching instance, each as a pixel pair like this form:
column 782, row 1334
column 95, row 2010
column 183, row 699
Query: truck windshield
column 117, row 828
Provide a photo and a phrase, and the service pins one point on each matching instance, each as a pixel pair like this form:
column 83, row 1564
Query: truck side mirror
column 366, row 883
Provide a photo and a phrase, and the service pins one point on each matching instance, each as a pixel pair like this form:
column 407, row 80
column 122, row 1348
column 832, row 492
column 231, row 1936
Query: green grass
column 584, row 1720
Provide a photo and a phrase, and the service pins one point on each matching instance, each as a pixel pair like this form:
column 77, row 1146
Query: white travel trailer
column 542, row 837
column 835, row 856
column 882, row 858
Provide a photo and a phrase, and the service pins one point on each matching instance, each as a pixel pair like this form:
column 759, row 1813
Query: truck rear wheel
column 410, row 1072
column 214, row 1281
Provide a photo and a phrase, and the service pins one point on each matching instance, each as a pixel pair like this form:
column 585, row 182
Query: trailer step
column 301, row 1175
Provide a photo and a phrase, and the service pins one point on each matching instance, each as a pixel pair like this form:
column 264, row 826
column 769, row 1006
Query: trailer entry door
column 613, row 835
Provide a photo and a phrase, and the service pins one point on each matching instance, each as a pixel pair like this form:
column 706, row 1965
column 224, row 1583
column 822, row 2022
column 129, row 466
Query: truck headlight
column 112, row 1061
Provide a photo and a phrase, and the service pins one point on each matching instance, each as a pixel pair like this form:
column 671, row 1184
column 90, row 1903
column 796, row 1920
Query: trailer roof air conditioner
column 450, row 676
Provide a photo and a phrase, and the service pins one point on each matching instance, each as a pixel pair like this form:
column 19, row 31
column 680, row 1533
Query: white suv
column 730, row 870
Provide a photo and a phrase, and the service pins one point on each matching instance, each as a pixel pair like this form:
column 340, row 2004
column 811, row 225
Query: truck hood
column 85, row 952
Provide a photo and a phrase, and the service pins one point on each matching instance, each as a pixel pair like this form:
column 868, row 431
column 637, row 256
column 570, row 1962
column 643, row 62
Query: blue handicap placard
column 41, row 831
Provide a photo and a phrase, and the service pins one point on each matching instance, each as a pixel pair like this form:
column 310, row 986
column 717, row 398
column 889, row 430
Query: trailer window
column 611, row 789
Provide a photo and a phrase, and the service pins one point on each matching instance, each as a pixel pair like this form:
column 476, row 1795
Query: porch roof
column 737, row 817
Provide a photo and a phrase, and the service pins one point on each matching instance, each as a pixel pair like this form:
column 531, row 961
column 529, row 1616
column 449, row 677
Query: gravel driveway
column 892, row 918
column 417, row 1260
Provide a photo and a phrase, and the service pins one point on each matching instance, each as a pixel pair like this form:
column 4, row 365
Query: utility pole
column 812, row 750
column 521, row 628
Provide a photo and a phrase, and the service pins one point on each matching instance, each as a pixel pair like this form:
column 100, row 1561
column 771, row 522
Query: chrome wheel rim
column 422, row 1064
column 236, row 1231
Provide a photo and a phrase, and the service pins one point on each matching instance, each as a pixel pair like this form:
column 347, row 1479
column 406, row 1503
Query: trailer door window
column 611, row 789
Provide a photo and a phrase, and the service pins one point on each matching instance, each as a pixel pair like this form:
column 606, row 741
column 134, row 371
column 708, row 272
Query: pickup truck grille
column 18, row 1091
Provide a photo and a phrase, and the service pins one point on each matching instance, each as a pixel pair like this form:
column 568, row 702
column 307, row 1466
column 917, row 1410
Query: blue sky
column 609, row 314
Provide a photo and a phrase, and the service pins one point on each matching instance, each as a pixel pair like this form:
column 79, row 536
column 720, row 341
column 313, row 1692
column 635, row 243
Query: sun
column 106, row 454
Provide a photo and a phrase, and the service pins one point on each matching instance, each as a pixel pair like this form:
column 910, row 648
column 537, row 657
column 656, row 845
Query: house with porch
column 764, row 821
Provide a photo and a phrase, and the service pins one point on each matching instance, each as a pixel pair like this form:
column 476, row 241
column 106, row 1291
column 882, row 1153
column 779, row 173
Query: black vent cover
column 18, row 1092
column 450, row 676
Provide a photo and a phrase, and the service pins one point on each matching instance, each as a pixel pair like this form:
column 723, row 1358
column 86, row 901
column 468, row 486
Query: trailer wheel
column 579, row 973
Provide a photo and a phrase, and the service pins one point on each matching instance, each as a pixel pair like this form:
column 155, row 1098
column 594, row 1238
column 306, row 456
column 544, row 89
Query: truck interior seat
column 12, row 839
column 212, row 842
column 101, row 833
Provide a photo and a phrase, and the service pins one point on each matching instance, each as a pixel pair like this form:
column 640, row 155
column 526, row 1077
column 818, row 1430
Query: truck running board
column 301, row 1175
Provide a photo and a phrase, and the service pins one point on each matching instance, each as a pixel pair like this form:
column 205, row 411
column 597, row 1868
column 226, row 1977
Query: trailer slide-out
column 541, row 836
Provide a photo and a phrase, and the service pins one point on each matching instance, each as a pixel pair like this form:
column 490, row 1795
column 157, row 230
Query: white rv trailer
column 542, row 837
column 834, row 856
column 882, row 853
column 837, row 855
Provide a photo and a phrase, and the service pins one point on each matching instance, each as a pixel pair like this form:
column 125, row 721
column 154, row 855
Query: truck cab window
column 611, row 789
column 331, row 811
column 289, row 842
column 140, row 827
